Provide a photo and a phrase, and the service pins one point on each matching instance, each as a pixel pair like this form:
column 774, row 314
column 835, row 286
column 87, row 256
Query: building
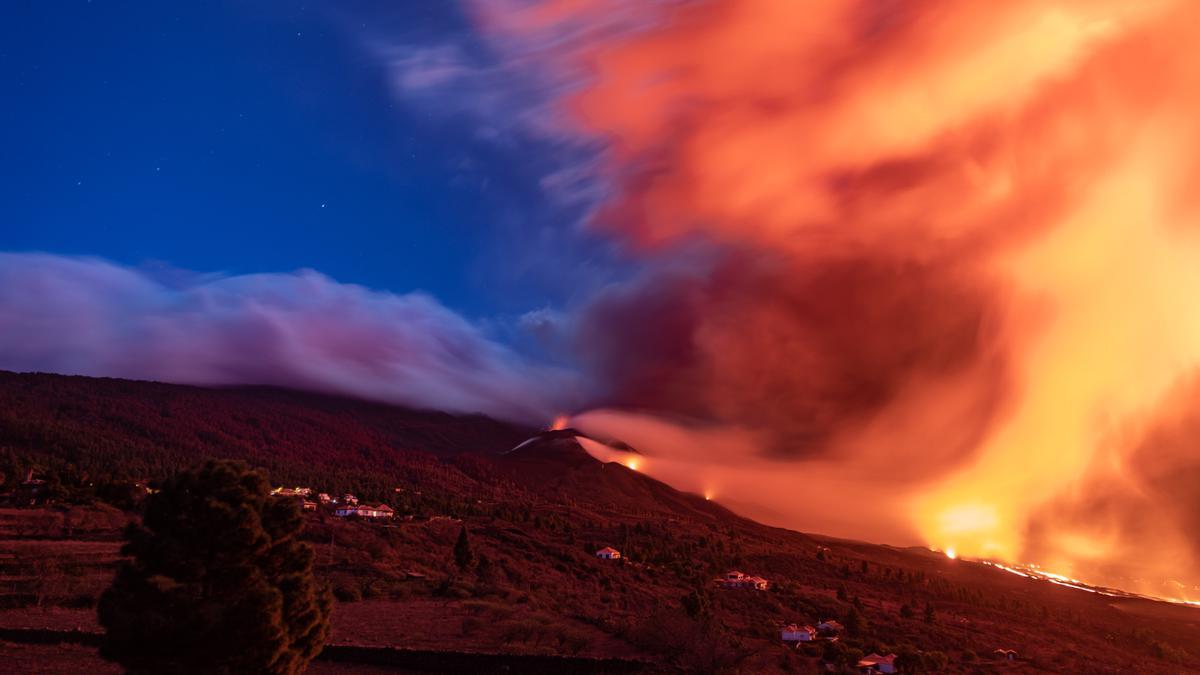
column 1005, row 654
column 608, row 553
column 291, row 492
column 309, row 506
column 324, row 498
column 348, row 499
column 380, row 511
column 736, row 579
column 830, row 626
column 30, row 491
column 794, row 633
column 874, row 663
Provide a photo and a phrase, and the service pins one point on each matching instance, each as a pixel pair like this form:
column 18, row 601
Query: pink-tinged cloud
column 91, row 317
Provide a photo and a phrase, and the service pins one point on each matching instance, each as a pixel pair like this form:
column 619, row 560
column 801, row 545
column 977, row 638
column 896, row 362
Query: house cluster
column 364, row 511
column 736, row 579
column 345, row 506
column 291, row 492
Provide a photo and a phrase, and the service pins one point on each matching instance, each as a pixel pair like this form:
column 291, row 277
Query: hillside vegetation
column 528, row 581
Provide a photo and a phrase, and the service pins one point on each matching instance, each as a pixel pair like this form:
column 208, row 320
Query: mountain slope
column 535, row 515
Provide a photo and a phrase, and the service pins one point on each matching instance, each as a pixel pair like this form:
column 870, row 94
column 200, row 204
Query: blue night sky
column 242, row 137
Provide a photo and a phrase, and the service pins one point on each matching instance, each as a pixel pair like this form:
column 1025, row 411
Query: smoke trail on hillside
column 938, row 257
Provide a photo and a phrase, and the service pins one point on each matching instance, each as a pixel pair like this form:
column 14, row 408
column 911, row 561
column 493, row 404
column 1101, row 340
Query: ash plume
column 949, row 253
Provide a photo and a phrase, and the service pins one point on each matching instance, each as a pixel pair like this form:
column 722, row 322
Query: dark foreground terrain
column 532, row 587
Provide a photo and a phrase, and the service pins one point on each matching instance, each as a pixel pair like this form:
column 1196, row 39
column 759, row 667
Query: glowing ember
column 632, row 463
column 951, row 554
column 560, row 423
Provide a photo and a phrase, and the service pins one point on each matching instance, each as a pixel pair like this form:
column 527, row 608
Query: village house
column 308, row 506
column 874, row 663
column 608, row 553
column 381, row 511
column 736, row 579
column 830, row 626
column 794, row 633
column 324, row 498
column 30, row 491
column 348, row 499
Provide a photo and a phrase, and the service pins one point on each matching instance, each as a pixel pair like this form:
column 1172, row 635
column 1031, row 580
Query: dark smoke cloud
column 807, row 348
column 91, row 317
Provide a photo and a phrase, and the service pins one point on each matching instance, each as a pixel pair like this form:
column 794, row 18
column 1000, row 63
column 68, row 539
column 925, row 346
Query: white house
column 1006, row 654
column 608, row 553
column 794, row 633
column 878, row 664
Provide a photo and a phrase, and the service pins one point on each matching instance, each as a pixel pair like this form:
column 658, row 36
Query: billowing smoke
column 929, row 263
column 90, row 317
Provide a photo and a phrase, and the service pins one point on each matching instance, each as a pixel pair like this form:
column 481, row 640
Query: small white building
column 794, row 633
column 1005, row 654
column 874, row 663
column 608, row 553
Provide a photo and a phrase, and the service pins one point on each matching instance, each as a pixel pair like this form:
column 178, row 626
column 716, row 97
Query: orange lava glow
column 560, row 423
column 962, row 239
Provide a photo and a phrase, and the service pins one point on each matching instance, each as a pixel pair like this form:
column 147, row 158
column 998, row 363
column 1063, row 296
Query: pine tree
column 216, row 581
column 462, row 550
column 697, row 604
column 856, row 625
